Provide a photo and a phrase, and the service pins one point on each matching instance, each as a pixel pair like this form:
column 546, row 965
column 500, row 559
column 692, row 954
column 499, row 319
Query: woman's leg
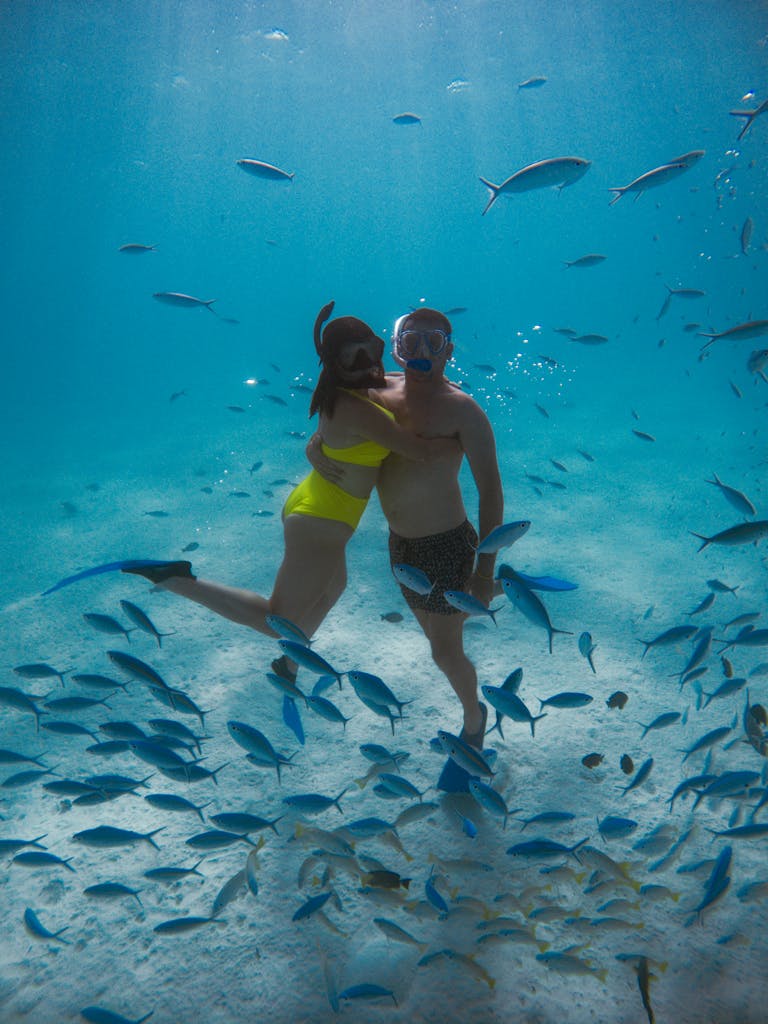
column 310, row 580
column 242, row 606
column 313, row 573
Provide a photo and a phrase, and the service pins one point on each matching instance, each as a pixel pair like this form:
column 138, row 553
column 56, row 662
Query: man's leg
column 446, row 638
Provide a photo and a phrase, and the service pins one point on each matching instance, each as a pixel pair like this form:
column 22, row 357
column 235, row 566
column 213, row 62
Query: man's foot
column 280, row 668
column 164, row 571
column 475, row 739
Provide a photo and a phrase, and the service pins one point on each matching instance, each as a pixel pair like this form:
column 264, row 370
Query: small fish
column 587, row 648
column 746, row 235
column 312, row 905
column 412, row 578
column 469, row 605
column 708, row 740
column 41, row 859
column 193, row 546
column 661, row 722
column 592, row 760
column 465, row 755
column 642, row 774
column 367, row 991
column 750, row 116
column 643, row 435
column 169, row 875
column 39, row 931
column 545, row 848
column 142, row 620
column 216, row 839
column 704, row 605
column 406, row 119
column 106, row 624
column 566, row 700
column 741, row 332
column 39, row 670
column 613, row 827
column 503, row 536
column 617, row 699
column 112, row 890
column 590, row 260
column 309, row 659
column 742, row 533
column 651, row 179
column 591, row 339
column 558, row 172
column 670, row 636
column 106, row 836
column 136, row 248
column 264, row 170
column 524, row 599
column 734, row 497
column 185, row 301
column 391, row 617
column 179, row 925
column 626, row 764
column 506, row 702
column 288, row 630
column 532, row 83
column 396, row 933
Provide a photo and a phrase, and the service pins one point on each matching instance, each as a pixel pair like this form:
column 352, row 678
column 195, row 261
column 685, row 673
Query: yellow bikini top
column 366, row 453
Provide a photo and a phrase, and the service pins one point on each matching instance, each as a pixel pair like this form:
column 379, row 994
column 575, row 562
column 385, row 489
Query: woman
column 319, row 517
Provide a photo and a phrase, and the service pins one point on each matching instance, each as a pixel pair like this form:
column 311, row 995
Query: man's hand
column 327, row 468
column 482, row 588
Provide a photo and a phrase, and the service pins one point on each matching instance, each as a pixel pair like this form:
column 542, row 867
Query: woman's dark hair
column 328, row 344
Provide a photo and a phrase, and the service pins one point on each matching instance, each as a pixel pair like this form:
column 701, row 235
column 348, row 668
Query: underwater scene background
column 138, row 429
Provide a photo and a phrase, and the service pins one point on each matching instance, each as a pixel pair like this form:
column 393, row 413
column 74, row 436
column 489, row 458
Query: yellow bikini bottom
column 316, row 496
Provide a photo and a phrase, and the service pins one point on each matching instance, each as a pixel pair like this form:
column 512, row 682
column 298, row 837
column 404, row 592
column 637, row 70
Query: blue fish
column 292, row 718
column 551, row 583
column 413, row 579
column 309, row 659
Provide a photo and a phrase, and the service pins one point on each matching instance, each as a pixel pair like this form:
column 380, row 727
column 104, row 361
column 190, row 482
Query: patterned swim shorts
column 447, row 559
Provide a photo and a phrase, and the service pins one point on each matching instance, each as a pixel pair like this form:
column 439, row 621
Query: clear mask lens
column 410, row 343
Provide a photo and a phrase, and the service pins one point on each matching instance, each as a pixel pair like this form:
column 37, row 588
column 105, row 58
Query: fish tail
column 706, row 540
column 575, row 847
column 494, row 190
column 536, row 719
column 619, row 193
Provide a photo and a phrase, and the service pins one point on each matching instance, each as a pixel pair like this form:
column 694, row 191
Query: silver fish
column 557, row 172
column 742, row 533
column 185, row 301
column 651, row 179
column 734, row 497
column 264, row 170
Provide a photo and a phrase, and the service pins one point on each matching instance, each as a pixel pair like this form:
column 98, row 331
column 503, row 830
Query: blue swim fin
column 97, row 570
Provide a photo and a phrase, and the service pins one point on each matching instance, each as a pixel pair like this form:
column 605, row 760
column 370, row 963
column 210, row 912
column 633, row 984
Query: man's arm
column 479, row 445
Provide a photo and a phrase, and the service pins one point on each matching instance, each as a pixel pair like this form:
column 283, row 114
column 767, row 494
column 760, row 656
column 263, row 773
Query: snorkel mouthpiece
column 422, row 365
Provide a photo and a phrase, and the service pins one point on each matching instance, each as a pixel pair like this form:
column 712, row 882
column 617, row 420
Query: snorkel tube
column 321, row 318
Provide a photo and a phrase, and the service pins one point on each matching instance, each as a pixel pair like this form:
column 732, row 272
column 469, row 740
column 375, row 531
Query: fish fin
column 494, row 190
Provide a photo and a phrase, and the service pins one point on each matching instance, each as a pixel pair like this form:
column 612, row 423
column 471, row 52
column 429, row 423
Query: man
column 429, row 529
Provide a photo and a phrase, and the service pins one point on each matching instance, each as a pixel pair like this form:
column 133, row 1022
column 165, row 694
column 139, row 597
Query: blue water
column 123, row 123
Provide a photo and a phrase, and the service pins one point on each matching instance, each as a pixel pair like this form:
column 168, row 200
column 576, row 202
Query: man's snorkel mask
column 415, row 349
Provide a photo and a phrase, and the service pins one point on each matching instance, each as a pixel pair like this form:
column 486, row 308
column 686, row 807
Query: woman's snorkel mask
column 349, row 350
column 415, row 349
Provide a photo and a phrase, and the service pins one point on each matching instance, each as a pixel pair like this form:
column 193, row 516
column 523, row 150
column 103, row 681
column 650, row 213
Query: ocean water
column 122, row 123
